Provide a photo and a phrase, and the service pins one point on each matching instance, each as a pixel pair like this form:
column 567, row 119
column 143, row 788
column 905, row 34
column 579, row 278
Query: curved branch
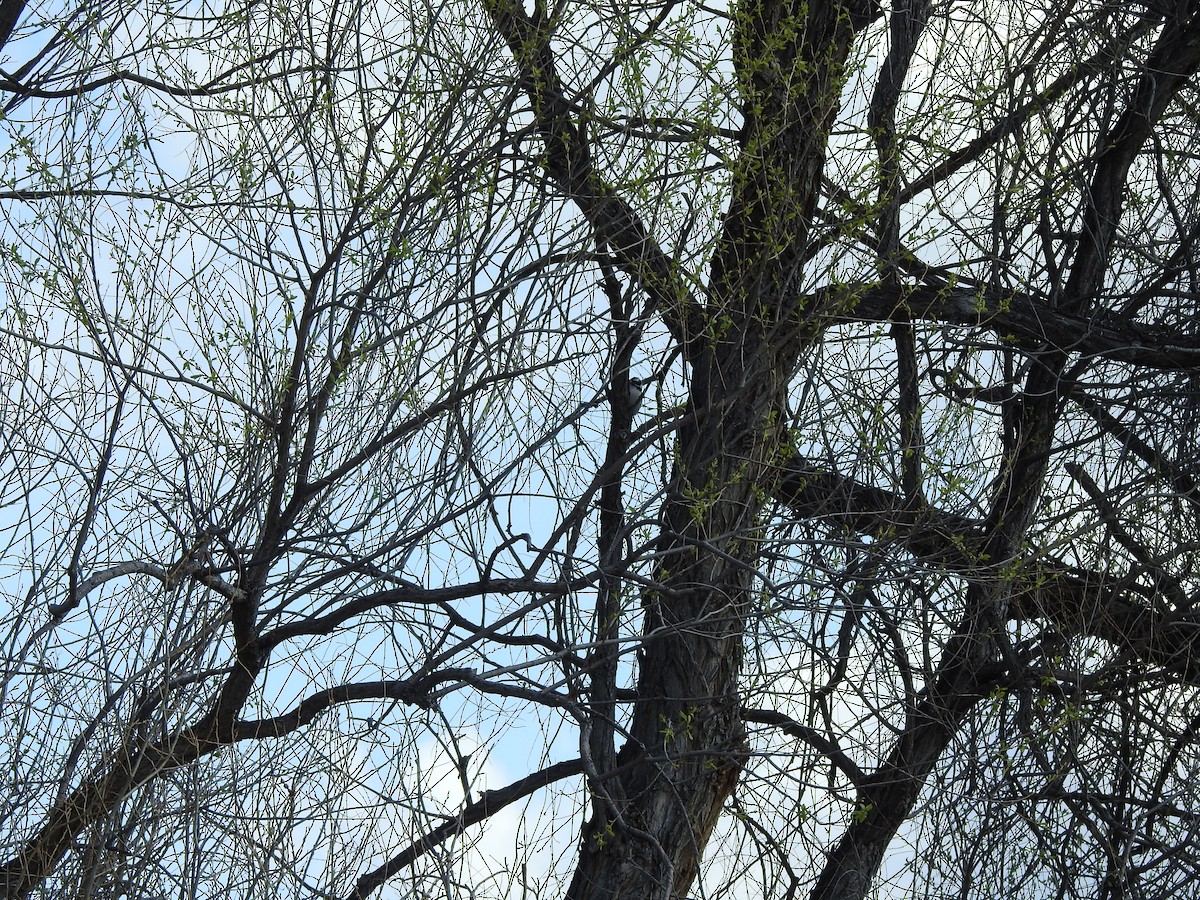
column 815, row 739
column 412, row 593
column 413, row 691
column 190, row 568
column 211, row 88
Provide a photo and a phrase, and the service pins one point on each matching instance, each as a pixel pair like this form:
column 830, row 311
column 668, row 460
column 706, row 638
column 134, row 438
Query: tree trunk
column 686, row 744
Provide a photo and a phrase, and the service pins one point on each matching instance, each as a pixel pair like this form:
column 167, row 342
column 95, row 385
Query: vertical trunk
column 686, row 739
column 682, row 757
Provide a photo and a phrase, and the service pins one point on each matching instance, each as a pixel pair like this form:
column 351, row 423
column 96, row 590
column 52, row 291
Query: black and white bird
column 635, row 392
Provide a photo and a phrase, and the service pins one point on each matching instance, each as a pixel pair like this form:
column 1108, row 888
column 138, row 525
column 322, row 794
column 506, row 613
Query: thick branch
column 1077, row 601
column 211, row 88
column 93, row 800
column 813, row 491
column 686, row 734
column 1025, row 320
column 1168, row 69
column 569, row 163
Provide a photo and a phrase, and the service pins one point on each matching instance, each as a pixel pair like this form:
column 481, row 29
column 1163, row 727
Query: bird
column 635, row 392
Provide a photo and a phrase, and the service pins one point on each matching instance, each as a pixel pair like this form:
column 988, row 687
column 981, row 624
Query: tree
column 324, row 488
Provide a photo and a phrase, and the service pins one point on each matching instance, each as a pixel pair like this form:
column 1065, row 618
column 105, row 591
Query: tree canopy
column 341, row 561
